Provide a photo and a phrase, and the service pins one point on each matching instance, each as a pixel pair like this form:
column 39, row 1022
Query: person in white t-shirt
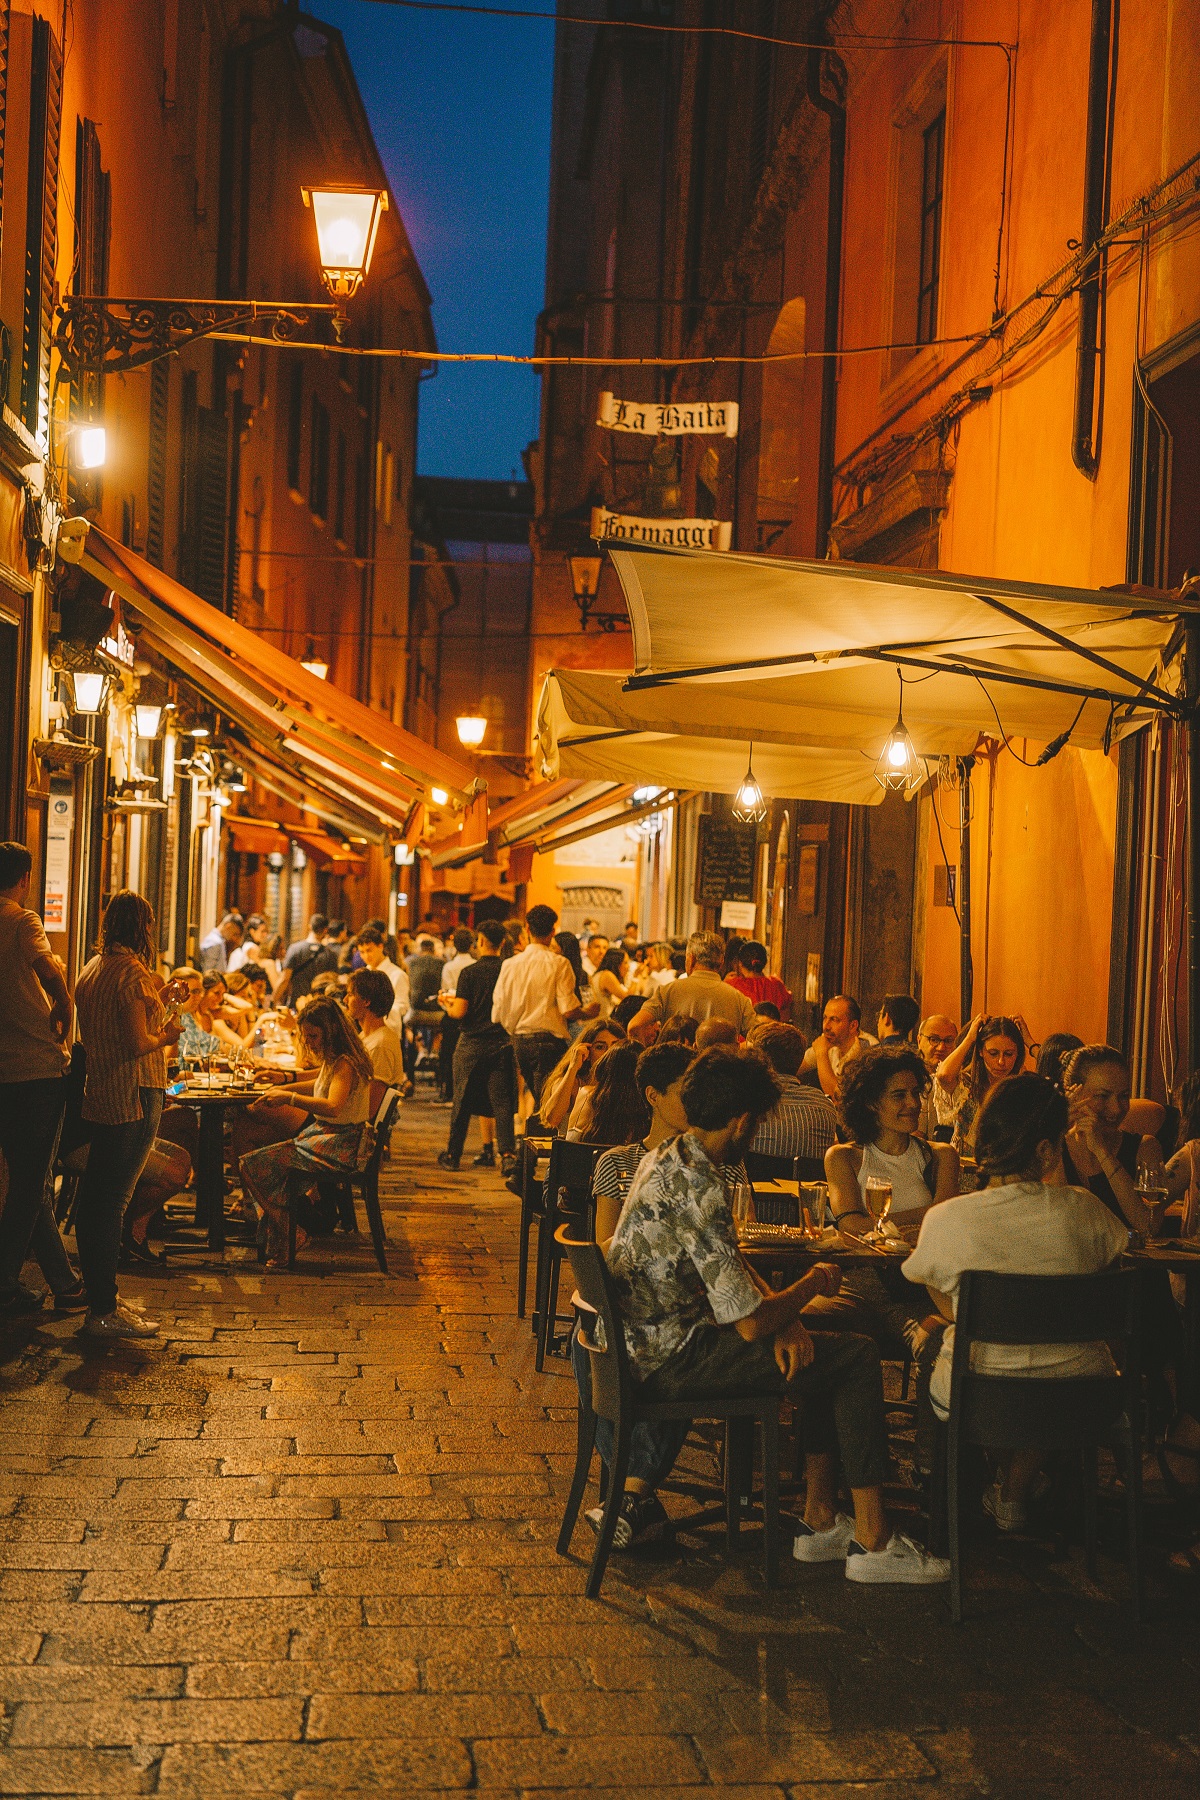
column 1026, row 1221
column 374, row 954
column 369, row 1000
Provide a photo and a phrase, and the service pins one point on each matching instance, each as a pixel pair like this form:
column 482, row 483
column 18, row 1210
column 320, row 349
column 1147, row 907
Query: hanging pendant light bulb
column 899, row 768
column 749, row 806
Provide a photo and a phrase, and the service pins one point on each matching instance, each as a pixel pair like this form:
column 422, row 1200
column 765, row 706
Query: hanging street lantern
column 899, row 769
column 347, row 221
column 750, row 806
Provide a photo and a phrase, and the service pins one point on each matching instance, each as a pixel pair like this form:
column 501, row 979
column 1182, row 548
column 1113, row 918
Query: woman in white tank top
column 880, row 1105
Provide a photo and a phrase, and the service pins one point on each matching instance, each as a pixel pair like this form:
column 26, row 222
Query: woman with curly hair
column 337, row 1108
column 880, row 1108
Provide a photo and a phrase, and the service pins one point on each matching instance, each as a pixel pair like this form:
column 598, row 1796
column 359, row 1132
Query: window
column 295, row 423
column 318, row 463
column 933, row 152
column 41, row 237
column 362, row 504
column 339, row 490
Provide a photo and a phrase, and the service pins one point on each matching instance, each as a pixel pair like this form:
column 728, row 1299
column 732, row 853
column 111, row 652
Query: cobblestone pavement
column 305, row 1547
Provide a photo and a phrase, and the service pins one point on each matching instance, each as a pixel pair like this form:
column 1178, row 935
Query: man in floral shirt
column 698, row 1323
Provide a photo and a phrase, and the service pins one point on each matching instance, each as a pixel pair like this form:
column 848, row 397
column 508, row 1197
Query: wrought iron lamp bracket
column 102, row 335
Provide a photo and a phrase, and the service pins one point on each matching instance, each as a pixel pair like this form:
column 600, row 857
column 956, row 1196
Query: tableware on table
column 818, row 1196
column 743, row 1203
column 878, row 1195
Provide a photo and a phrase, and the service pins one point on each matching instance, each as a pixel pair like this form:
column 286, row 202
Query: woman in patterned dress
column 338, row 1108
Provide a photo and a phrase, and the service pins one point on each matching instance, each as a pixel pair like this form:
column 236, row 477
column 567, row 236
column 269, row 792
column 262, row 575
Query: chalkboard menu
column 725, row 860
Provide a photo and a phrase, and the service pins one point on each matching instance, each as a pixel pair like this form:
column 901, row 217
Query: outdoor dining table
column 210, row 1105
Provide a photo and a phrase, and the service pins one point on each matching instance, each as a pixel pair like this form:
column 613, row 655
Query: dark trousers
column 653, row 1446
column 483, row 1085
column 446, row 1048
column 841, row 1391
column 538, row 1052
column 31, row 1115
column 115, row 1161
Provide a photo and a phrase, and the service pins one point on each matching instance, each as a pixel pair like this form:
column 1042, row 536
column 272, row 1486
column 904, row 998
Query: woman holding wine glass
column 885, row 1172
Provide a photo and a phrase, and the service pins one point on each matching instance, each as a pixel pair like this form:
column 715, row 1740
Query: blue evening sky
column 460, row 107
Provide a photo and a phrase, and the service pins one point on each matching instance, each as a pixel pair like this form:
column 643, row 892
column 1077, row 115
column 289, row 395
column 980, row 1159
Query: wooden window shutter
column 41, row 220
column 212, row 496
column 156, row 474
column 5, row 11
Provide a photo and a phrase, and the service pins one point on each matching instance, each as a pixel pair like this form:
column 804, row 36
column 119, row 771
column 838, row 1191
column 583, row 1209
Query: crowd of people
column 683, row 1063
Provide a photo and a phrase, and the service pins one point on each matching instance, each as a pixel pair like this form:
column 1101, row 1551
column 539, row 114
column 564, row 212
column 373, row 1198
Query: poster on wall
column 58, row 861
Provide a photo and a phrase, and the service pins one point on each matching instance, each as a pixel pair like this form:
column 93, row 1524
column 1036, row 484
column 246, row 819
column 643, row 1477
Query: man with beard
column 698, row 1323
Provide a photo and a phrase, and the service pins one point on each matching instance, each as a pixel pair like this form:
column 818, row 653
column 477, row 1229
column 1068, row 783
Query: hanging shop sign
column 667, row 534
column 709, row 418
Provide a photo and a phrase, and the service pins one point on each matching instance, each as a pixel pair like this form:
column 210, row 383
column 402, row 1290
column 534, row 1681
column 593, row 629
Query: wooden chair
column 365, row 1179
column 614, row 1396
column 1008, row 1412
column 568, row 1201
column 533, row 1204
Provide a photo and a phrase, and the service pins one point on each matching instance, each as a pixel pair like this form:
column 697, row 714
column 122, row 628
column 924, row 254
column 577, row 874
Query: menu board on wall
column 724, row 861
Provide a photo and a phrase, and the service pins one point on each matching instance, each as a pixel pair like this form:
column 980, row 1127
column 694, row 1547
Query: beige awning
column 813, row 652
column 687, row 740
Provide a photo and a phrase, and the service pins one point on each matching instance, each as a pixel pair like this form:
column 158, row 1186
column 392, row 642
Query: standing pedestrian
column 302, row 962
column 125, row 1034
column 213, row 950
column 484, row 1080
column 250, row 949
column 35, row 1028
column 534, row 1000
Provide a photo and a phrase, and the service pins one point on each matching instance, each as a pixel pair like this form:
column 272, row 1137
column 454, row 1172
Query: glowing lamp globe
column 347, row 221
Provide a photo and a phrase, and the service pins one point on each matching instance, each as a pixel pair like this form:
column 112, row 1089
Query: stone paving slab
column 305, row 1546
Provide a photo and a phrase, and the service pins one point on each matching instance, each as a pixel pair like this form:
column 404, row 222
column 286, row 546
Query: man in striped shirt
column 804, row 1123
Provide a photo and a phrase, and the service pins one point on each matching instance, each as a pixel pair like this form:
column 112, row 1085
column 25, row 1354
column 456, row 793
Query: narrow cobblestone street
column 305, row 1546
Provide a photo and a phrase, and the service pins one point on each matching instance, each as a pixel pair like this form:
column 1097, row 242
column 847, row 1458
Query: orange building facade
column 979, row 225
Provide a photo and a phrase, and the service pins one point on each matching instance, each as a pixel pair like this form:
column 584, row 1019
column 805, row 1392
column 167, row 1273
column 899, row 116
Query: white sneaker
column 115, row 1325
column 830, row 1545
column 900, row 1561
column 1009, row 1515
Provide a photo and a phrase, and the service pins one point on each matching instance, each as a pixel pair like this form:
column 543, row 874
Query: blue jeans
column 652, row 1448
column 31, row 1114
column 115, row 1162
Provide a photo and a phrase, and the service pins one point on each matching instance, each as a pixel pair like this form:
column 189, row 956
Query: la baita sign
column 709, row 418
column 667, row 534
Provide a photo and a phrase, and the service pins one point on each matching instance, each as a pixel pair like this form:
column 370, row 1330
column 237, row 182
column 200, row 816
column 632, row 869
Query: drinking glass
column 818, row 1205
column 743, row 1203
column 878, row 1195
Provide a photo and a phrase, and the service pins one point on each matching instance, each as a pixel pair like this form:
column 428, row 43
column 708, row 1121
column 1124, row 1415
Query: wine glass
column 878, row 1195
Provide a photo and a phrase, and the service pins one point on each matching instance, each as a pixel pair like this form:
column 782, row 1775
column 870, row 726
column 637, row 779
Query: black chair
column 533, row 1203
column 365, row 1179
column 615, row 1397
column 1003, row 1412
column 568, row 1200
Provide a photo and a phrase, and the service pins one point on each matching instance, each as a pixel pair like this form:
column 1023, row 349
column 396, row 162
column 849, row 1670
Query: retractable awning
column 256, row 837
column 816, row 648
column 355, row 756
column 588, row 724
column 529, row 816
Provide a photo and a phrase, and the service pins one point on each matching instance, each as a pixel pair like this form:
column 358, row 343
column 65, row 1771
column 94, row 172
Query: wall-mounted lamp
column 90, row 688
column 471, row 728
column 149, row 720
column 91, row 446
column 439, row 796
